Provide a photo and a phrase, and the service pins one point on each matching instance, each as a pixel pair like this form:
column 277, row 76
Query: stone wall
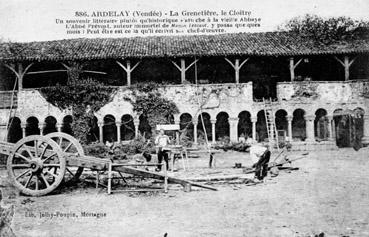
column 215, row 98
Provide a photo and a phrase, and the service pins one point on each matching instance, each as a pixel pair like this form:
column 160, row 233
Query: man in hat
column 161, row 142
column 260, row 156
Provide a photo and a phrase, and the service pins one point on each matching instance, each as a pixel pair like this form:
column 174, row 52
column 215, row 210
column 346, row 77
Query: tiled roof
column 248, row 44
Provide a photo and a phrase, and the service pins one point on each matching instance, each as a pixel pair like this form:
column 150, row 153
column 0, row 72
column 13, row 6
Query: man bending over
column 260, row 156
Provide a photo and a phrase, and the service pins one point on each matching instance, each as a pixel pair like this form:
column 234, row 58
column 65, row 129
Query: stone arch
column 67, row 124
column 261, row 129
column 32, row 127
column 222, row 128
column 244, row 126
column 94, row 133
column 49, row 125
column 321, row 124
column 200, row 128
column 281, row 123
column 299, row 124
column 186, row 125
column 144, row 127
column 109, row 128
column 14, row 130
column 127, row 128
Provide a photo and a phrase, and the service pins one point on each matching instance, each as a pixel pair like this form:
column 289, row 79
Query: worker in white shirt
column 260, row 156
column 161, row 142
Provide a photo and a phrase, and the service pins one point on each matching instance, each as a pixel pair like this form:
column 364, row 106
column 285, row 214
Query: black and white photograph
column 184, row 118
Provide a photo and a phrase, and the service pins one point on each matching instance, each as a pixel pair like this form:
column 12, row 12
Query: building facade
column 224, row 77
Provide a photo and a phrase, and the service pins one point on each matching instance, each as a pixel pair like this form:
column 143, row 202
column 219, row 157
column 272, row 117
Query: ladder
column 270, row 123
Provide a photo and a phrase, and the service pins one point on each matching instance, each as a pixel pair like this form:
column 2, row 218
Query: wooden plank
column 148, row 174
column 167, row 127
column 87, row 162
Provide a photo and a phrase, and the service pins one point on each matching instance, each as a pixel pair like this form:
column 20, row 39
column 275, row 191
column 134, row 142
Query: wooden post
column 346, row 63
column 165, row 177
column 128, row 69
column 293, row 67
column 20, row 78
column 20, row 73
column 110, row 171
column 237, row 66
column 183, row 68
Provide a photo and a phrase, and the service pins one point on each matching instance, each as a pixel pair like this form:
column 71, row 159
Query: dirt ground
column 328, row 194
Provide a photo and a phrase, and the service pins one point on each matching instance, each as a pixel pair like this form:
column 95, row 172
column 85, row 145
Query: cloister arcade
column 294, row 125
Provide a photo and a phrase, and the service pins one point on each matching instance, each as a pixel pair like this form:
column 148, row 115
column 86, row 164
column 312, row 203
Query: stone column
column 309, row 119
column 253, row 121
column 289, row 120
column 101, row 137
column 23, row 126
column 136, row 122
column 59, row 127
column 118, row 124
column 331, row 128
column 365, row 138
column 233, row 131
column 41, row 127
column 194, row 131
column 213, row 121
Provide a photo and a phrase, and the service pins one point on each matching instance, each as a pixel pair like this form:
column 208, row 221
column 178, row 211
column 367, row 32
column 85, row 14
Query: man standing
column 161, row 142
column 260, row 156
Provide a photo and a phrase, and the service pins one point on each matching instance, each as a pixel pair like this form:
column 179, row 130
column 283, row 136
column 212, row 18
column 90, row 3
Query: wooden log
column 148, row 174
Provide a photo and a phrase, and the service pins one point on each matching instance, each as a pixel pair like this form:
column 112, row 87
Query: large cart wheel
column 69, row 145
column 36, row 165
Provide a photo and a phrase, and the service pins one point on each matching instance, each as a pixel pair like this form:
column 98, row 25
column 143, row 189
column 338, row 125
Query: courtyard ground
column 328, row 194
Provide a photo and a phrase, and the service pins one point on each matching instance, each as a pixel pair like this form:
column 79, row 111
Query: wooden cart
column 37, row 164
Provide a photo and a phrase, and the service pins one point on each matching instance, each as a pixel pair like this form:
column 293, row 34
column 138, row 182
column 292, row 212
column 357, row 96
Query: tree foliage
column 148, row 101
column 83, row 97
column 327, row 30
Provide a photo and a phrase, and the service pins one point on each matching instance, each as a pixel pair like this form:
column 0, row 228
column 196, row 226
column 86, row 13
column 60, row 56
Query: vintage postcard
column 184, row 118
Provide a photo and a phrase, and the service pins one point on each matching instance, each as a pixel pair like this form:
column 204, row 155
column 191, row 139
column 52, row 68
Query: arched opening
column 349, row 127
column 109, row 128
column 32, row 126
column 127, row 129
column 170, row 119
column 244, row 126
column 201, row 130
column 14, row 130
column 298, row 125
column 261, row 130
column 67, row 125
column 359, row 125
column 94, row 133
column 186, row 126
column 281, row 124
column 222, row 126
column 144, row 127
column 50, row 125
column 321, row 124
